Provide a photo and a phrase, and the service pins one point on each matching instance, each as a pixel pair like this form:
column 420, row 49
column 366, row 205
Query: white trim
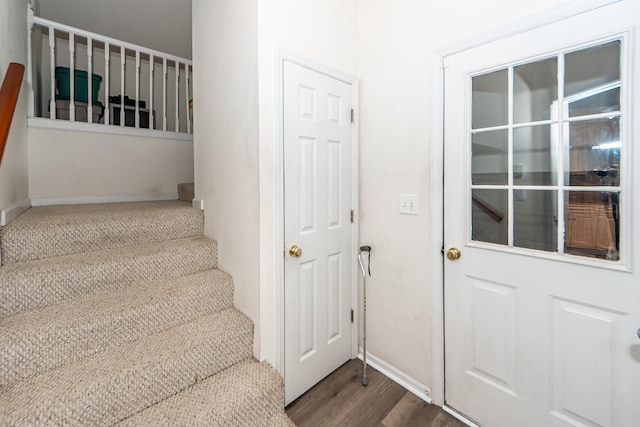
column 390, row 371
column 455, row 414
column 46, row 123
column 10, row 213
column 437, row 219
column 198, row 204
column 84, row 200
column 545, row 18
column 282, row 56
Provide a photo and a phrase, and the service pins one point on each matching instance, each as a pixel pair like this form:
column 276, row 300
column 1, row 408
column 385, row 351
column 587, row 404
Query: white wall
column 225, row 57
column 73, row 164
column 325, row 32
column 396, row 39
column 14, row 179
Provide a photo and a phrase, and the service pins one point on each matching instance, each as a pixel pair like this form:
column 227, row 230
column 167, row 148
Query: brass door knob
column 454, row 254
column 295, row 251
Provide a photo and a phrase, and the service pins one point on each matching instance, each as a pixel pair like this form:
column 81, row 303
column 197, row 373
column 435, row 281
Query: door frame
column 438, row 66
column 286, row 56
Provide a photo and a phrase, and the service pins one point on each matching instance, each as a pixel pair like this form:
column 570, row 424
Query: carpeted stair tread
column 48, row 231
column 46, row 338
column 33, row 284
column 247, row 394
column 110, row 386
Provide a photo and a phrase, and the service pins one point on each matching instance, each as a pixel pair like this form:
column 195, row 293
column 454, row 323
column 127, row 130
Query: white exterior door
column 318, row 205
column 542, row 199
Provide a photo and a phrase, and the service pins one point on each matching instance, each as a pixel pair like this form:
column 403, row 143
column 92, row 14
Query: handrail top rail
column 110, row 40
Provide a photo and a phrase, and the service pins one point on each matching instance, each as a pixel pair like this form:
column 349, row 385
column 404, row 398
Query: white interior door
column 542, row 193
column 318, row 206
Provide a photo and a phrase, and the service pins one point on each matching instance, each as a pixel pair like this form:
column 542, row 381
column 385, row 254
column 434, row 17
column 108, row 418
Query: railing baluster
column 122, row 62
column 52, row 53
column 72, row 78
column 180, row 65
column 31, row 110
column 164, row 93
column 89, row 80
column 151, row 115
column 137, row 88
column 177, row 123
column 107, row 60
column 186, row 96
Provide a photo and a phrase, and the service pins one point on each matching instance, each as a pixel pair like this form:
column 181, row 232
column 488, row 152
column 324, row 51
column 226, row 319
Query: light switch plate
column 409, row 204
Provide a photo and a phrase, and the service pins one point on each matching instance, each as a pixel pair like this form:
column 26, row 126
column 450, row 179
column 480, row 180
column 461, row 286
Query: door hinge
column 351, row 315
column 353, row 116
column 351, row 216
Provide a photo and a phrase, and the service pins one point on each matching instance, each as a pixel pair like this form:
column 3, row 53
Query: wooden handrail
column 8, row 99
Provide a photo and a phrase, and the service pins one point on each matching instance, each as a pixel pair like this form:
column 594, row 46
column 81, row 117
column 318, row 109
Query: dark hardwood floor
column 341, row 400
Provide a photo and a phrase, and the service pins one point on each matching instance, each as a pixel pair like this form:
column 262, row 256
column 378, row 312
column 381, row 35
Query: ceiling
column 163, row 25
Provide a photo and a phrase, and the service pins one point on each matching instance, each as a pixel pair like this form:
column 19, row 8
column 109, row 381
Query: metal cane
column 365, row 381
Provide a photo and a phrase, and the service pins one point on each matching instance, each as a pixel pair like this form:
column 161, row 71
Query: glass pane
column 604, row 101
column 489, row 158
column 592, row 224
column 489, row 222
column 594, row 152
column 535, row 221
column 534, row 155
column 535, row 89
column 490, row 100
column 591, row 68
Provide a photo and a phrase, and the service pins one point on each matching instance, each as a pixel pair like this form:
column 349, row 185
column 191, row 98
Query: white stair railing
column 68, row 47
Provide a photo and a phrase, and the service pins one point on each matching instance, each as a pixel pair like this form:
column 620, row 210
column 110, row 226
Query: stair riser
column 247, row 394
column 26, row 286
column 118, row 384
column 31, row 237
column 66, row 336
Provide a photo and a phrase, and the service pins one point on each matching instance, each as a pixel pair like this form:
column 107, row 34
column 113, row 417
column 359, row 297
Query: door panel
column 318, row 178
column 541, row 197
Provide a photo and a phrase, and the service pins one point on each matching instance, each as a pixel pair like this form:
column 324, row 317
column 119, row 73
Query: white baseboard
column 9, row 213
column 414, row 386
column 83, row 200
column 458, row 416
column 198, row 204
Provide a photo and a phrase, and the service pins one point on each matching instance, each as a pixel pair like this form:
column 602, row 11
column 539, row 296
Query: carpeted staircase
column 117, row 314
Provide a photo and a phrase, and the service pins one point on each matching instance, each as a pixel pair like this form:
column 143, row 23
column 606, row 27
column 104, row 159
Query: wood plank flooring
column 341, row 400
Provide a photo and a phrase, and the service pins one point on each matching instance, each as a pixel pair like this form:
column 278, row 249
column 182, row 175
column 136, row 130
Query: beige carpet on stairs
column 116, row 313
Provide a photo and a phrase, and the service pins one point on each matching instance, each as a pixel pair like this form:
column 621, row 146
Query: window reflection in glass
column 535, row 224
column 592, row 224
column 533, row 155
column 535, row 89
column 489, row 222
column 489, row 159
column 490, row 103
column 594, row 152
